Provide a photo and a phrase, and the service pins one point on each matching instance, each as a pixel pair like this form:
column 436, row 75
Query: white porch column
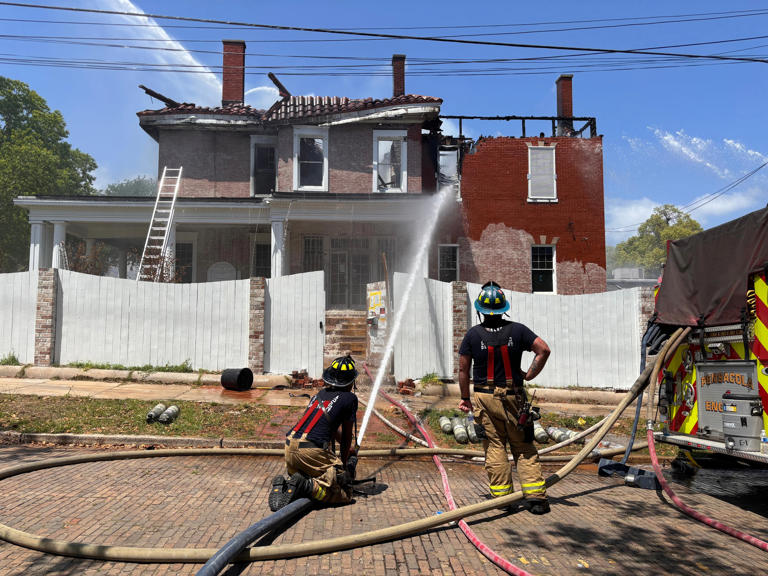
column 35, row 244
column 59, row 237
column 278, row 248
column 170, row 251
column 89, row 244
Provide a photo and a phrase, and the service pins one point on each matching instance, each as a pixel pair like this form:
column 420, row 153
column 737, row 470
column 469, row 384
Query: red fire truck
column 713, row 392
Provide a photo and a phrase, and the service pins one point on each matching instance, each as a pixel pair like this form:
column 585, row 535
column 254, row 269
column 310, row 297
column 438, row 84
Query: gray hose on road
column 201, row 555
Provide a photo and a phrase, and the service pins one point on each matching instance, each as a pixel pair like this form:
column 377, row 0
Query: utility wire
column 382, row 35
column 629, row 21
column 696, row 204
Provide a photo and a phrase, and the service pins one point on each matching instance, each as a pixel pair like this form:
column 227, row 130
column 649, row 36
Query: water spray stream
column 416, row 267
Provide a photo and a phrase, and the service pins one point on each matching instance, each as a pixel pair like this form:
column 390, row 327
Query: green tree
column 35, row 160
column 139, row 186
column 648, row 249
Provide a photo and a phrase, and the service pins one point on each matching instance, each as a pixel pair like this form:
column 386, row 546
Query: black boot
column 275, row 499
column 298, row 486
column 539, row 507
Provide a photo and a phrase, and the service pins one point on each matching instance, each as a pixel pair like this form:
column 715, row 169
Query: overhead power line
column 704, row 200
column 382, row 35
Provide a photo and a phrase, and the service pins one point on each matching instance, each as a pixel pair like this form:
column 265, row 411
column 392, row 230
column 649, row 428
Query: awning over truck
column 705, row 277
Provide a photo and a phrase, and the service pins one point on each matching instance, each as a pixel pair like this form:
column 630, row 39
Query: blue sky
column 672, row 134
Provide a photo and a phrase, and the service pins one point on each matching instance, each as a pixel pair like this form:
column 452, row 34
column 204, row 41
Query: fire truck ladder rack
column 156, row 244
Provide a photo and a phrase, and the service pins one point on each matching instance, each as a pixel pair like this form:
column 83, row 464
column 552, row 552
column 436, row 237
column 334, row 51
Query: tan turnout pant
column 320, row 465
column 498, row 414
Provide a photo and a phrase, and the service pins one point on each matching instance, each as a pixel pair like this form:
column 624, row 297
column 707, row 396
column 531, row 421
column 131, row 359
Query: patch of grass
column 430, row 378
column 10, row 359
column 56, row 415
column 185, row 366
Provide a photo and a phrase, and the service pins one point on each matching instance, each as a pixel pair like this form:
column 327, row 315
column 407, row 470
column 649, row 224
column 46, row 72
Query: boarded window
column 542, row 268
column 541, row 173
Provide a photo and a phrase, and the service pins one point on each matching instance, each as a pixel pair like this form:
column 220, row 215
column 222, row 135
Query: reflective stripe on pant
column 320, row 465
column 501, row 429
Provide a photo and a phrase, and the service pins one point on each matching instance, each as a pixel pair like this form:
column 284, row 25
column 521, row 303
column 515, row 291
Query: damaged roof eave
column 408, row 114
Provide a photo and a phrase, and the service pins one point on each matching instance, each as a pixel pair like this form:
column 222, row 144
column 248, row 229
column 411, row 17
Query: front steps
column 345, row 330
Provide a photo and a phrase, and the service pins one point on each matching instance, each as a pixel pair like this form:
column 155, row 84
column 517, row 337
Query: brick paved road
column 598, row 526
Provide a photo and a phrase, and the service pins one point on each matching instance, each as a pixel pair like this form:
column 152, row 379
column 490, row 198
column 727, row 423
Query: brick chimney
column 233, row 72
column 398, row 75
column 565, row 104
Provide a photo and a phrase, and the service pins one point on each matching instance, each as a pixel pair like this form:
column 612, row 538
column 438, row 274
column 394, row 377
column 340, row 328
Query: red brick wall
column 500, row 224
column 215, row 164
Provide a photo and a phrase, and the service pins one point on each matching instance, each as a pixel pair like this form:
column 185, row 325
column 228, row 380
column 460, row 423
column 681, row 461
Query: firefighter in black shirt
column 495, row 346
column 315, row 470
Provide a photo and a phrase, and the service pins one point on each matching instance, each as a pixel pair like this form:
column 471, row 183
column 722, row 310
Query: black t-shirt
column 520, row 338
column 339, row 406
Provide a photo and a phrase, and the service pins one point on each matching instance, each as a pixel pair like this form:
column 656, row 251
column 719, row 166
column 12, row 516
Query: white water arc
column 439, row 201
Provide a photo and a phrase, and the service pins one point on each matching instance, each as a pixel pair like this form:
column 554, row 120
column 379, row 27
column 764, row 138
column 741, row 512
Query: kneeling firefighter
column 504, row 412
column 314, row 469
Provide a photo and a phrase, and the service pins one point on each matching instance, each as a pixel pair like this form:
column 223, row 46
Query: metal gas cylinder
column 471, row 431
column 540, row 434
column 170, row 414
column 445, row 424
column 154, row 414
column 459, row 430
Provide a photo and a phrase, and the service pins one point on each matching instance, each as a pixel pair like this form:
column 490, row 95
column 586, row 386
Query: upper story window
column 542, row 179
column 310, row 158
column 390, row 161
column 542, row 268
column 263, row 165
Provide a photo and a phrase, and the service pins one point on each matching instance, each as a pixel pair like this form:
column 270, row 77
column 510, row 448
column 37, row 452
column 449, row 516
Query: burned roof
column 296, row 107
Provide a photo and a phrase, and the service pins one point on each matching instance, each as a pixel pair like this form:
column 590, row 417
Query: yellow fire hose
column 274, row 552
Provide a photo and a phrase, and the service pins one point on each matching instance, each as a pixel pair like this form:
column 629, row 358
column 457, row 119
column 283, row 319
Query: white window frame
column 458, row 264
column 401, row 135
column 554, row 267
column 310, row 132
column 262, row 140
column 189, row 238
column 531, row 197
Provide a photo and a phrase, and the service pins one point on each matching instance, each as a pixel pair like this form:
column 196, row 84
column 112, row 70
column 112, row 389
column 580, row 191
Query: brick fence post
column 460, row 320
column 256, row 319
column 45, row 317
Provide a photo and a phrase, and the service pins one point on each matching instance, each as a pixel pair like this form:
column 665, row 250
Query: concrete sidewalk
column 194, row 387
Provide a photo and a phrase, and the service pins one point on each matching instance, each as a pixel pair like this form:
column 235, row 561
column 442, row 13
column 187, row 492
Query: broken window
column 541, row 174
column 389, row 160
column 448, row 262
column 543, row 268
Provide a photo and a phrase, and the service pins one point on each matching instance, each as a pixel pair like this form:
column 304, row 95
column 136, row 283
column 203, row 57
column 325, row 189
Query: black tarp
column 706, row 275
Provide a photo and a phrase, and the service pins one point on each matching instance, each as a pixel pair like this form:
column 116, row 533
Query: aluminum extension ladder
column 153, row 258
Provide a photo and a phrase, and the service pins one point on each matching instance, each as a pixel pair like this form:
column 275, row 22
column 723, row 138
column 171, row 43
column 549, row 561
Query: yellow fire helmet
column 341, row 373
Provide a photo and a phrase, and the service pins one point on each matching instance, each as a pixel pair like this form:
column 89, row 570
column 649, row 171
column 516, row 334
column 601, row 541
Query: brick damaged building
column 332, row 183
column 531, row 215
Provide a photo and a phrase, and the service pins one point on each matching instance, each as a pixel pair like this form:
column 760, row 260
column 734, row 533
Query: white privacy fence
column 295, row 324
column 594, row 338
column 18, row 301
column 424, row 343
column 117, row 321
